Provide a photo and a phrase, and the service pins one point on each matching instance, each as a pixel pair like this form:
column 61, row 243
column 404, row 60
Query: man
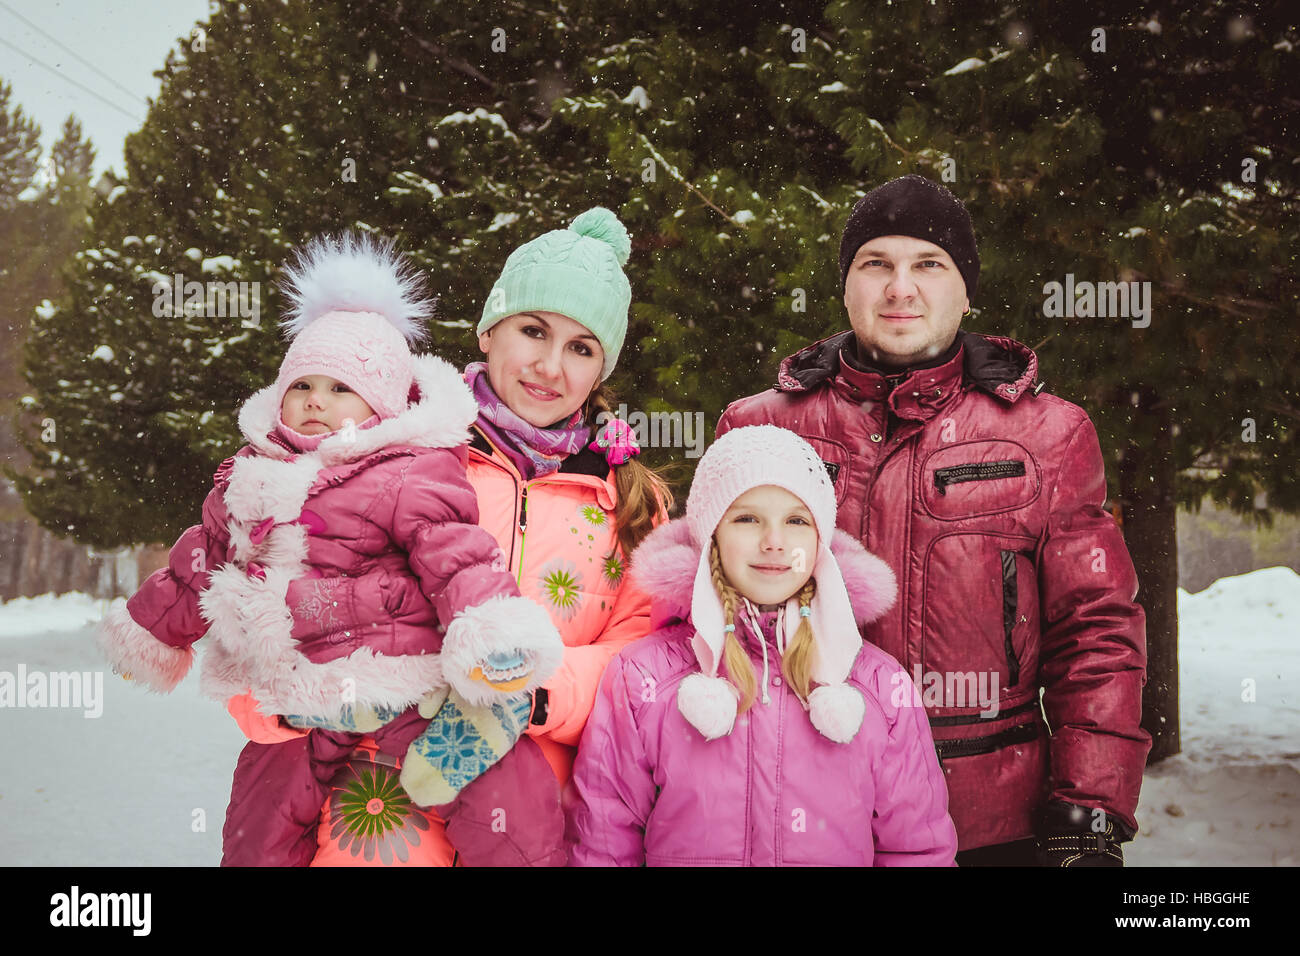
column 984, row 494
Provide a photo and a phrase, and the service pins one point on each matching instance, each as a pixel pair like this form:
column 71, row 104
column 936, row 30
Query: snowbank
column 147, row 782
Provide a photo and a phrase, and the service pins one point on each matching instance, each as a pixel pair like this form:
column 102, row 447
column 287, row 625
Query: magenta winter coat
column 328, row 577
column 986, row 501
column 649, row 789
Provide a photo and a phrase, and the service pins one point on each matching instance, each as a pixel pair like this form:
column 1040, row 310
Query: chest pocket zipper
column 976, row 471
column 1010, row 599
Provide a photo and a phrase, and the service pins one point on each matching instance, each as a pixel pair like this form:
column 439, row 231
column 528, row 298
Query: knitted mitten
column 357, row 720
column 461, row 742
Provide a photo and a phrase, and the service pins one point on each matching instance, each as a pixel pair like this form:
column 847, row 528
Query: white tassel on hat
column 836, row 710
column 709, row 703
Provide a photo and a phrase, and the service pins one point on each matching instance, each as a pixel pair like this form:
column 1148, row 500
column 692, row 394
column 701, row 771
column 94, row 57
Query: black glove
column 1071, row 835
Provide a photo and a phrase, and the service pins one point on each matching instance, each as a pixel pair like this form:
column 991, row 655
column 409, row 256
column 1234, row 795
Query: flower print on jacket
column 371, row 813
column 561, row 587
column 613, row 569
column 593, row 514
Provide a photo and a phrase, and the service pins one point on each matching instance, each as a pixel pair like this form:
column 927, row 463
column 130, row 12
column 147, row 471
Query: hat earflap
column 709, row 704
column 836, row 710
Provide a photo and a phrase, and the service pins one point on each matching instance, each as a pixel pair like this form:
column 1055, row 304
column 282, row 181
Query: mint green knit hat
column 576, row 272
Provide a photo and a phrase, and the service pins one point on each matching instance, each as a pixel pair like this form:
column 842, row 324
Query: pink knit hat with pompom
column 356, row 307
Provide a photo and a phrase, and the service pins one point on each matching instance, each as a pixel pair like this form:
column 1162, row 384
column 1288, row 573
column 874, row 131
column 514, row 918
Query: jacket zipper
column 523, row 523
column 1010, row 598
column 970, row 746
column 976, row 471
column 522, row 492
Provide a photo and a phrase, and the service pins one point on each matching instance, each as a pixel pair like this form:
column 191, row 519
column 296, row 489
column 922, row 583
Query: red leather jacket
column 985, row 495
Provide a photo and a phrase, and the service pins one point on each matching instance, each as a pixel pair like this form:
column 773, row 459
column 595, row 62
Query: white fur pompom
column 354, row 273
column 709, row 703
column 836, row 710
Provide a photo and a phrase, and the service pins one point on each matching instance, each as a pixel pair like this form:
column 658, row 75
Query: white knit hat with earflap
column 742, row 459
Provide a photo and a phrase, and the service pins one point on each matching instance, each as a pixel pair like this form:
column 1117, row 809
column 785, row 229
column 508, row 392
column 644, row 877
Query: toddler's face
column 768, row 544
column 318, row 404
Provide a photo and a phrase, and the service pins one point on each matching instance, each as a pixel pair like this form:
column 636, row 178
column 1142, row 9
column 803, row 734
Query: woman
column 565, row 501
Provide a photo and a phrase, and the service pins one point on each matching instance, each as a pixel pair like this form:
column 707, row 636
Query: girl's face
column 768, row 544
column 543, row 365
column 318, row 404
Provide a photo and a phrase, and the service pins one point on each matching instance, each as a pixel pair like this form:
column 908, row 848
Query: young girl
column 343, row 578
column 755, row 727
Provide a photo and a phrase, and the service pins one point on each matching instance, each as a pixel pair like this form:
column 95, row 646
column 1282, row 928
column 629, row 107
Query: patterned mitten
column 357, row 720
column 461, row 742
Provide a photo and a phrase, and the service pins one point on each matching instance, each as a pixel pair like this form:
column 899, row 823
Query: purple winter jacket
column 649, row 789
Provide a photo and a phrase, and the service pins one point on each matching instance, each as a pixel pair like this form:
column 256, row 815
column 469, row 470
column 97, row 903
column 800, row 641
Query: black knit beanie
column 917, row 207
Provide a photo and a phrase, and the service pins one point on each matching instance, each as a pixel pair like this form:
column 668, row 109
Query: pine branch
column 674, row 172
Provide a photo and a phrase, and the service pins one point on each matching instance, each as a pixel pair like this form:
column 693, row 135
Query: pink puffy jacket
column 330, row 576
column 649, row 789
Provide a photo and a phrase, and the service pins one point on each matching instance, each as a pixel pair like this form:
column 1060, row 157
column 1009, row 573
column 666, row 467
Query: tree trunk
column 1146, row 475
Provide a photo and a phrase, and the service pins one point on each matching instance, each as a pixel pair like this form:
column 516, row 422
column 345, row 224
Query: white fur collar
column 440, row 418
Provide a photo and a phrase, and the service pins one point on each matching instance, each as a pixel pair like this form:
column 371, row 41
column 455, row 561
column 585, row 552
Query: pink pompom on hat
column 742, row 459
column 356, row 307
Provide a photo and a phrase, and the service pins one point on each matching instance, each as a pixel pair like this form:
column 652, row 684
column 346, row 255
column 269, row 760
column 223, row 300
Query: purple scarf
column 533, row 451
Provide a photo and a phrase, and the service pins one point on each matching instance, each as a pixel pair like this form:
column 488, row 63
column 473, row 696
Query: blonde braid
column 797, row 662
column 740, row 670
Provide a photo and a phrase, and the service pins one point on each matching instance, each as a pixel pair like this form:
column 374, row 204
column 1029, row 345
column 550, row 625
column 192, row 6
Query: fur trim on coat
column 130, row 649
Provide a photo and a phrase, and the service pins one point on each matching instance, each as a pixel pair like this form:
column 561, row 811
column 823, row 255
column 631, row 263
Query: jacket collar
column 586, row 468
column 439, row 417
column 1000, row 366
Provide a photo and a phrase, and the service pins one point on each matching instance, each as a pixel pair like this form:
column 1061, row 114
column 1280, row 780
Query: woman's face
column 768, row 544
column 318, row 404
column 543, row 365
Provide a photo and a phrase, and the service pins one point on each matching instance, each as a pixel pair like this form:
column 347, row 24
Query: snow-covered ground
column 147, row 781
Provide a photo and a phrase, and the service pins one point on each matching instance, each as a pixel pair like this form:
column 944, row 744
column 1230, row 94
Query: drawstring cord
column 753, row 617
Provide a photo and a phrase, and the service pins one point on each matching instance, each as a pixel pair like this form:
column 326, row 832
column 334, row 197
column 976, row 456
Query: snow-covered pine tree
column 276, row 122
column 1089, row 140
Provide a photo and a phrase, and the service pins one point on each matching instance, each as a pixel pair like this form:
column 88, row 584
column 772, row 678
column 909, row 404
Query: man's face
column 905, row 299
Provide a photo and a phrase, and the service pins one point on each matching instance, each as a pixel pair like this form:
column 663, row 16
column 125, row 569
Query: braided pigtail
column 740, row 671
column 798, row 659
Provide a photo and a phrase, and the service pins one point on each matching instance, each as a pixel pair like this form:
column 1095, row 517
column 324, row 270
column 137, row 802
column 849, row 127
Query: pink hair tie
column 617, row 441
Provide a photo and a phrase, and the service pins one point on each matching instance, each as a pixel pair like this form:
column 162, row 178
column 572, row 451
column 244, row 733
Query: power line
column 69, row 79
column 55, row 40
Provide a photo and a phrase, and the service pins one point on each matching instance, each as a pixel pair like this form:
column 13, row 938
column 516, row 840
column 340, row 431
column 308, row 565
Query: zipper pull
column 523, row 510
